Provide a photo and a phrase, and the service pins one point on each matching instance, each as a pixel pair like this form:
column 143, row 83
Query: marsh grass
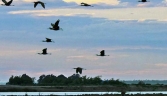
column 18, row 90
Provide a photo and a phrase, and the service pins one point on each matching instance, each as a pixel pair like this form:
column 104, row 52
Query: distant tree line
column 21, row 80
column 61, row 80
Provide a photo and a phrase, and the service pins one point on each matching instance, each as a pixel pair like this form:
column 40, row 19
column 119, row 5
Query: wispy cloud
column 162, row 65
column 122, row 3
column 98, row 3
column 110, row 2
column 140, row 14
column 81, row 58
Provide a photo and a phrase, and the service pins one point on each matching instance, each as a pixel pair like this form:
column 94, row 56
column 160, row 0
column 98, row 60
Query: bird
column 85, row 4
column 7, row 3
column 55, row 26
column 102, row 53
column 79, row 69
column 44, row 52
column 143, row 1
column 48, row 40
column 39, row 2
column 123, row 93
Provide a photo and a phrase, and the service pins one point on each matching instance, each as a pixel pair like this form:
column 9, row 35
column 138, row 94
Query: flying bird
column 143, row 1
column 85, row 4
column 44, row 52
column 79, row 69
column 39, row 2
column 48, row 40
column 55, row 26
column 102, row 53
column 7, row 3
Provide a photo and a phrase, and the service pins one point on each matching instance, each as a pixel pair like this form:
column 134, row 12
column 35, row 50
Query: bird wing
column 44, row 50
column 52, row 24
column 43, row 5
column 85, row 4
column 4, row 1
column 57, row 23
column 10, row 2
column 143, row 1
column 80, row 70
column 48, row 39
column 35, row 4
column 77, row 70
column 102, row 53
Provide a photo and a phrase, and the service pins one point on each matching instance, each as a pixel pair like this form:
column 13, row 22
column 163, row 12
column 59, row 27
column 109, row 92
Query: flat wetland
column 100, row 88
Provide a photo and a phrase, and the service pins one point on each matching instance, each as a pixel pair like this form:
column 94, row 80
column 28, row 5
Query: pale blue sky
column 132, row 33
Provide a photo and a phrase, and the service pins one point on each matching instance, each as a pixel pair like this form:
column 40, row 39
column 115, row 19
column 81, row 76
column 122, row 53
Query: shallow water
column 79, row 93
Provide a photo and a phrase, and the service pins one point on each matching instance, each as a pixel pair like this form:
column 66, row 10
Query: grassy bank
column 15, row 88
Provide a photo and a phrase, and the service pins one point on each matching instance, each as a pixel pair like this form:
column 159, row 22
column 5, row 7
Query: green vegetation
column 61, row 80
column 77, row 83
column 21, row 80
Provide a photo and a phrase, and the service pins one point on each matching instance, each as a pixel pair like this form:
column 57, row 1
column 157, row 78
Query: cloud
column 140, row 14
column 136, row 48
column 151, row 3
column 122, row 3
column 162, row 65
column 28, row 4
column 88, row 31
column 82, row 58
column 110, row 2
column 103, row 4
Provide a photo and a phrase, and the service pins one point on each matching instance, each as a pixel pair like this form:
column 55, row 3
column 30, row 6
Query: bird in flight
column 79, row 69
column 102, row 53
column 7, row 3
column 48, row 40
column 85, row 4
column 39, row 2
column 143, row 1
column 44, row 52
column 55, row 26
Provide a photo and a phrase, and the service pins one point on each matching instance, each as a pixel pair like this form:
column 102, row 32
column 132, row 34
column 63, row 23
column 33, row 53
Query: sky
column 133, row 33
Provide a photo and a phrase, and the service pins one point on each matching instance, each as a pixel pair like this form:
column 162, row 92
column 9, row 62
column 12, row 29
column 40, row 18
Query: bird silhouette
column 7, row 3
column 79, row 69
column 123, row 93
column 55, row 26
column 143, row 1
column 102, row 53
column 44, row 52
column 85, row 4
column 39, row 2
column 48, row 40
